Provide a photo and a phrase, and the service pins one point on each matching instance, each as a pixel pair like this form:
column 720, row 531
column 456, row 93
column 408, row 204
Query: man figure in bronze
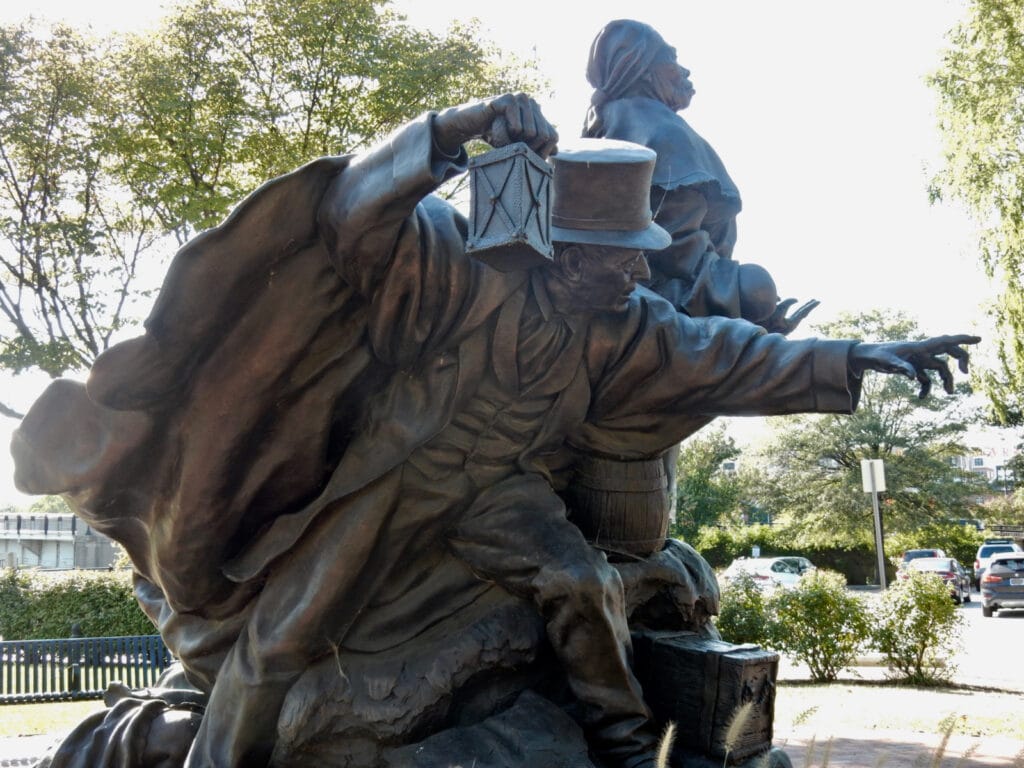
column 461, row 387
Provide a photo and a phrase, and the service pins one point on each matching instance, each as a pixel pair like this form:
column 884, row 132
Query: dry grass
column 839, row 707
column 50, row 717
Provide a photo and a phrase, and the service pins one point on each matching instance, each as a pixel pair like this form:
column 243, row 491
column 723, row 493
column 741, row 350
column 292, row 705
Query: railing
column 78, row 667
column 52, row 525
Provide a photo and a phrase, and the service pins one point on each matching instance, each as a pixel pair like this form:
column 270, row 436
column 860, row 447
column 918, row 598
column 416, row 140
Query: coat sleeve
column 404, row 249
column 664, row 372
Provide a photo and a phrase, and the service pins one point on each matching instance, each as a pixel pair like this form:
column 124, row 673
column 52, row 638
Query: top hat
column 601, row 195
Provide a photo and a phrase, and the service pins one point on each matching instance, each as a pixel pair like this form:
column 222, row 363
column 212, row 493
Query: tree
column 814, row 479
column 705, row 493
column 1005, row 510
column 69, row 248
column 980, row 85
column 108, row 145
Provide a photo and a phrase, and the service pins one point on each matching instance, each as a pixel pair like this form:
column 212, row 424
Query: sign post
column 872, row 472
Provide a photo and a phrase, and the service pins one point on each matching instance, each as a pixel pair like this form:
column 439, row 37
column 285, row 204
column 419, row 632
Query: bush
column 742, row 613
column 38, row 605
column 819, row 623
column 917, row 628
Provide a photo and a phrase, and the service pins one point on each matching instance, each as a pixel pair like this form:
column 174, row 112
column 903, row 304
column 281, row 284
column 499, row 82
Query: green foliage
column 980, row 85
column 1006, row 509
column 68, row 246
column 109, row 146
column 720, row 546
column 704, row 493
column 819, row 623
column 35, row 605
column 814, row 482
column 743, row 615
column 917, row 628
column 959, row 541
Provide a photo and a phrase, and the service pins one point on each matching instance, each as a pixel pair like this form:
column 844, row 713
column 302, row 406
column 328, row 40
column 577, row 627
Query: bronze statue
column 639, row 89
column 334, row 455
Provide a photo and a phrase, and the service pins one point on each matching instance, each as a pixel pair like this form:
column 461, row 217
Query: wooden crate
column 699, row 684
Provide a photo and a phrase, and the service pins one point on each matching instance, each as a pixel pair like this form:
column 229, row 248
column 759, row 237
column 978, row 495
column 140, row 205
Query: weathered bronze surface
column 337, row 453
column 639, row 89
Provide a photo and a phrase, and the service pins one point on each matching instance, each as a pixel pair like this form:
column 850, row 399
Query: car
column 802, row 564
column 989, row 548
column 1002, row 586
column 914, row 554
column 768, row 572
column 946, row 568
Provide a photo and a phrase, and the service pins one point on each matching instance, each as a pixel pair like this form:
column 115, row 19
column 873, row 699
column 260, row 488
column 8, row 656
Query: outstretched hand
column 778, row 322
column 914, row 359
column 499, row 121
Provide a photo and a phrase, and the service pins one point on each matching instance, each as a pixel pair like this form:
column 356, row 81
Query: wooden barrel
column 621, row 506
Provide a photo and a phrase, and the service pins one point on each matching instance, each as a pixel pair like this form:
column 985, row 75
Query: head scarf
column 621, row 54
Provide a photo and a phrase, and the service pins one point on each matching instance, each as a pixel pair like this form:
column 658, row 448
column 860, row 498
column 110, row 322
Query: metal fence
column 78, row 667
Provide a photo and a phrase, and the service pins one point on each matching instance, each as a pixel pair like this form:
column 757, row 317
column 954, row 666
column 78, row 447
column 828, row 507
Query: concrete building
column 52, row 541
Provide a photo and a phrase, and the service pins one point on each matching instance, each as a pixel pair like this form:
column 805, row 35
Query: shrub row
column 856, row 560
column 35, row 605
column 914, row 624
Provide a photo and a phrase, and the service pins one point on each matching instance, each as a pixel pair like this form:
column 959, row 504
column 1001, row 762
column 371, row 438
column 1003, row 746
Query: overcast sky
column 818, row 109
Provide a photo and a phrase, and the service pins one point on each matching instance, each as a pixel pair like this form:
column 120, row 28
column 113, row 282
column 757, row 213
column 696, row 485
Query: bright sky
column 819, row 111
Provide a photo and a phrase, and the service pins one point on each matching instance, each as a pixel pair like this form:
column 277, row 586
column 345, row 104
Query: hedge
column 35, row 605
column 857, row 561
column 720, row 546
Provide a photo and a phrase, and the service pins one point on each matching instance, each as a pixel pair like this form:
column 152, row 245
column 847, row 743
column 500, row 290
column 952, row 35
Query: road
column 991, row 654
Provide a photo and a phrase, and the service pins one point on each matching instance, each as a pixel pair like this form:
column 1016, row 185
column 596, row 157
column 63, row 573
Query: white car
column 769, row 572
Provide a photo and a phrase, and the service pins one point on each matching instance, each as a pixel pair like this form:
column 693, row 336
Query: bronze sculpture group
column 339, row 455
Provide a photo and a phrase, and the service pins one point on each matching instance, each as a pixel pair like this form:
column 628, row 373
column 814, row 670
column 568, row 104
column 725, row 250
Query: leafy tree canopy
column 108, row 146
column 980, row 85
column 813, row 479
column 705, row 493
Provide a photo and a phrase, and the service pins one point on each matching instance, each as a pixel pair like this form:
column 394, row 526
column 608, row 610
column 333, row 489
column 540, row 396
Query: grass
column 49, row 717
column 837, row 707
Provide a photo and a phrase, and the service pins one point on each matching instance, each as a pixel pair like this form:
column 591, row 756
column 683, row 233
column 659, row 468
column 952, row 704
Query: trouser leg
column 517, row 535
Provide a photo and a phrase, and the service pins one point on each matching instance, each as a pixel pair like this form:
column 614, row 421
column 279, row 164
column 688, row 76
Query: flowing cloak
column 284, row 370
column 233, row 408
column 693, row 198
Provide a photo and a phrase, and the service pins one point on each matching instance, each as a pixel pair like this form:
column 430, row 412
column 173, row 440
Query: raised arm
column 366, row 207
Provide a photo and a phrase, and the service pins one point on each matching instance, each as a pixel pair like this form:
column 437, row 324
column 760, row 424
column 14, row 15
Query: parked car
column 989, row 548
column 768, row 572
column 948, row 569
column 914, row 554
column 1002, row 586
column 802, row 564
